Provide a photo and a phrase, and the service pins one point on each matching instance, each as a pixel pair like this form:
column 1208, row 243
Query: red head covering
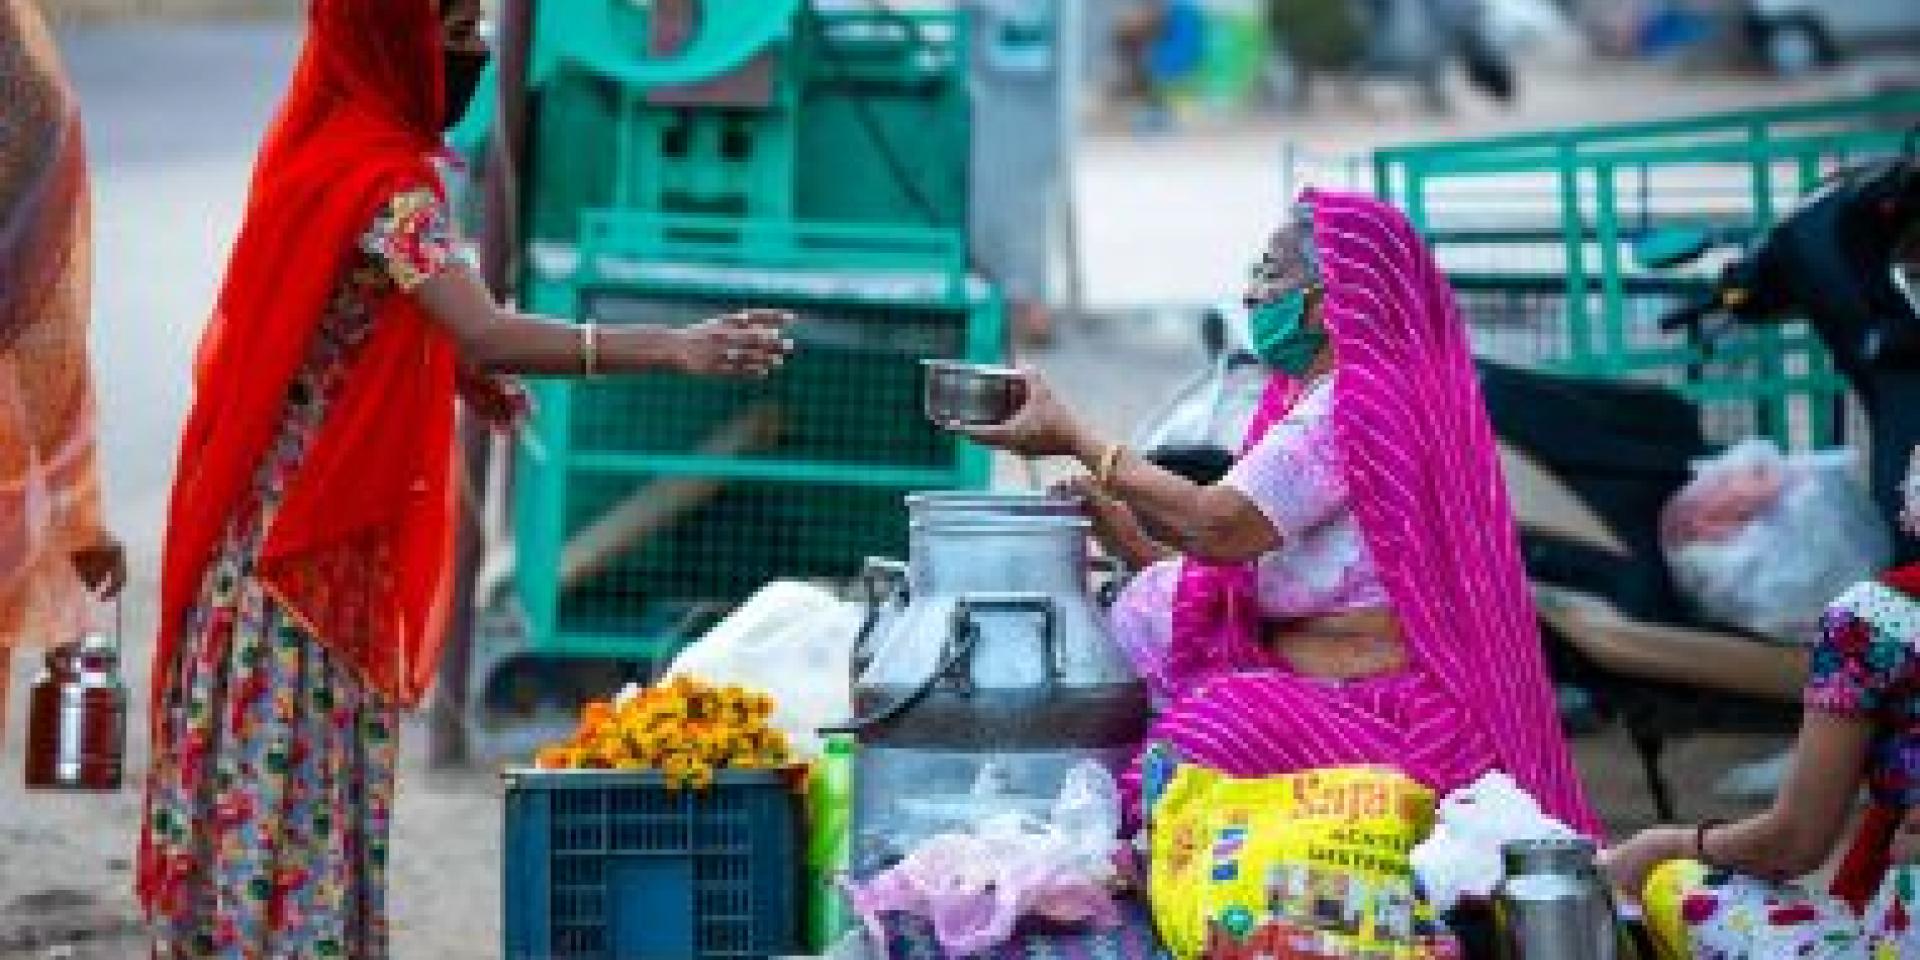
column 360, row 549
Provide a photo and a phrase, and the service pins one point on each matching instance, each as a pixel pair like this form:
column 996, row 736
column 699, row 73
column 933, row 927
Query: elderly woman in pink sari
column 1351, row 592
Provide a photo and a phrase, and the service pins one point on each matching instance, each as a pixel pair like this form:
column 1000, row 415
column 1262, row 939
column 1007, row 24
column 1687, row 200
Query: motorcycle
column 1590, row 463
column 1847, row 260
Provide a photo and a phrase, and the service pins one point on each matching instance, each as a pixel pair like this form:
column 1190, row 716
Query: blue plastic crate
column 615, row 866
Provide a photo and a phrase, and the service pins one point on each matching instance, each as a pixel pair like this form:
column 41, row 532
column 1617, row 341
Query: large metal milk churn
column 986, row 672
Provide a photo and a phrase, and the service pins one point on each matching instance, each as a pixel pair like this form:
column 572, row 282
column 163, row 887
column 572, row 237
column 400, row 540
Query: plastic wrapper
column 976, row 886
column 1460, row 859
column 1760, row 540
column 1312, row 864
column 793, row 642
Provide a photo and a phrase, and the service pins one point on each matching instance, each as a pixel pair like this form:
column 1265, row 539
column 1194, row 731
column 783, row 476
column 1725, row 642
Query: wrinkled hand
column 1629, row 864
column 1115, row 526
column 1043, row 426
column 102, row 567
column 1110, row 515
column 501, row 402
column 750, row 343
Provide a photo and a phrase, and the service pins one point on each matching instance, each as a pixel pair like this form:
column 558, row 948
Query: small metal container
column 77, row 718
column 972, row 394
column 1554, row 904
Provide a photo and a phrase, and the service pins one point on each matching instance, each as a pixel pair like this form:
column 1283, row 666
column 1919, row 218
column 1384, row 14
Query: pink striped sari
column 1426, row 489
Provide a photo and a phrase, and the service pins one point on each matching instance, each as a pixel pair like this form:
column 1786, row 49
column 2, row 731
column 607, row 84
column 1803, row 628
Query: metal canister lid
column 1555, row 855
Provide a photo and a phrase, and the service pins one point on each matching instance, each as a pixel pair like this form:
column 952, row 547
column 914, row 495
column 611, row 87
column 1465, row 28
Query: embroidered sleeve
column 1854, row 665
column 1293, row 475
column 411, row 239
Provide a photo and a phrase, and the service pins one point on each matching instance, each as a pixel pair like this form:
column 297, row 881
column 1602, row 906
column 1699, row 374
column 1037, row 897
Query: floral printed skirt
column 1698, row 912
column 269, row 804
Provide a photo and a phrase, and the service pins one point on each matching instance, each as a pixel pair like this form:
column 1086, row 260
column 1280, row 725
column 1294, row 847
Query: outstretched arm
column 1791, row 838
column 750, row 343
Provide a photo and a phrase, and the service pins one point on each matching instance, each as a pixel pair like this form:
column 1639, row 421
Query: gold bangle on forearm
column 590, row 349
column 1109, row 462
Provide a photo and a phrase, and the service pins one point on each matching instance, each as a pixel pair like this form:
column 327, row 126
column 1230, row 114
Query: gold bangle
column 1109, row 461
column 590, row 349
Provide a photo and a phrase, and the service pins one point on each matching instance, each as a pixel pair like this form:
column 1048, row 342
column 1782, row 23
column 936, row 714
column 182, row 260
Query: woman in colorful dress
column 1351, row 592
column 309, row 535
column 53, row 545
column 1725, row 889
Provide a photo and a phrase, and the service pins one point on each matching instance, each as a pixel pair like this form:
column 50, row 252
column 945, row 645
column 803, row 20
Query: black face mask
column 463, row 69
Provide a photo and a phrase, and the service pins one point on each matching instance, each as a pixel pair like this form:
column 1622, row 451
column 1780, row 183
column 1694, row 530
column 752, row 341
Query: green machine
column 684, row 158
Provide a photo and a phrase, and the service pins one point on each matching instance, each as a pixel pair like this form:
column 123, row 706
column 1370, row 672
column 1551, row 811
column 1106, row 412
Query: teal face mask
column 1281, row 337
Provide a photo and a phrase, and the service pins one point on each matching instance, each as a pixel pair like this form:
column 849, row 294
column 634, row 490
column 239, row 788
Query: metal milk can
column 987, row 672
column 884, row 581
column 77, row 718
column 1553, row 904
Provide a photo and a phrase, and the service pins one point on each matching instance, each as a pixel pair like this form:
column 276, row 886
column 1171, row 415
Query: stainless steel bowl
column 972, row 394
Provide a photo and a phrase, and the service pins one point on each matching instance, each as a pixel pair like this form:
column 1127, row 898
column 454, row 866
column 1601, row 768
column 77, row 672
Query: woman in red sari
column 309, row 536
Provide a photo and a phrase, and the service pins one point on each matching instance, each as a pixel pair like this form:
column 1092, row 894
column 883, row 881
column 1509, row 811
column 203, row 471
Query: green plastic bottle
column 829, row 843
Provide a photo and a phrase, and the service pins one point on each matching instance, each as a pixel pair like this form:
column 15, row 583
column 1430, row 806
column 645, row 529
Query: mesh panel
column 747, row 534
column 768, row 480
column 850, row 394
column 731, row 853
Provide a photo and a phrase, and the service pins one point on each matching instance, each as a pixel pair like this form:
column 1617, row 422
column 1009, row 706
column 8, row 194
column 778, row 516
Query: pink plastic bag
column 1760, row 540
column 975, row 887
column 1725, row 495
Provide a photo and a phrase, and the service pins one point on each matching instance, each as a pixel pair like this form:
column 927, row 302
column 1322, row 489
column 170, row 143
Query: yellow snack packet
column 1314, row 861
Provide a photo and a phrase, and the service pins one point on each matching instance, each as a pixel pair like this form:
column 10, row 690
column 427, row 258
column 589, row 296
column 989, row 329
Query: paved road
column 173, row 116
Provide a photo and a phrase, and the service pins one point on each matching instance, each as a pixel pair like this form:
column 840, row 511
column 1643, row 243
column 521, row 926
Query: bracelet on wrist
column 1109, row 462
column 1700, row 840
column 590, row 349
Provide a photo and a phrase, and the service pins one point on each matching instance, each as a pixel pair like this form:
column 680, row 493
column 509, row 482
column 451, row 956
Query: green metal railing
column 1537, row 231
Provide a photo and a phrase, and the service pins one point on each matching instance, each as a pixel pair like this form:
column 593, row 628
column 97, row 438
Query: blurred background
column 1120, row 165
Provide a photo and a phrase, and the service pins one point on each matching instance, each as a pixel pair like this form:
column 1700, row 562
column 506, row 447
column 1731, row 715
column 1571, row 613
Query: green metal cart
column 1545, row 236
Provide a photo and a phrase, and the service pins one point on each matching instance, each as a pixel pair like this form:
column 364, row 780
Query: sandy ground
column 174, row 114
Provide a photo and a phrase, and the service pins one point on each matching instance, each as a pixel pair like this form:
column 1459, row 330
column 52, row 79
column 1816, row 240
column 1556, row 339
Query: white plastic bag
column 792, row 641
column 1461, row 857
column 1762, row 540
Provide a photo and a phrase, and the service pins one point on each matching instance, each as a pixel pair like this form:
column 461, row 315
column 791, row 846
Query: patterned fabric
column 409, row 241
column 1865, row 665
column 270, row 813
column 49, row 487
column 1293, row 476
column 1424, row 484
column 1731, row 916
column 1265, row 722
